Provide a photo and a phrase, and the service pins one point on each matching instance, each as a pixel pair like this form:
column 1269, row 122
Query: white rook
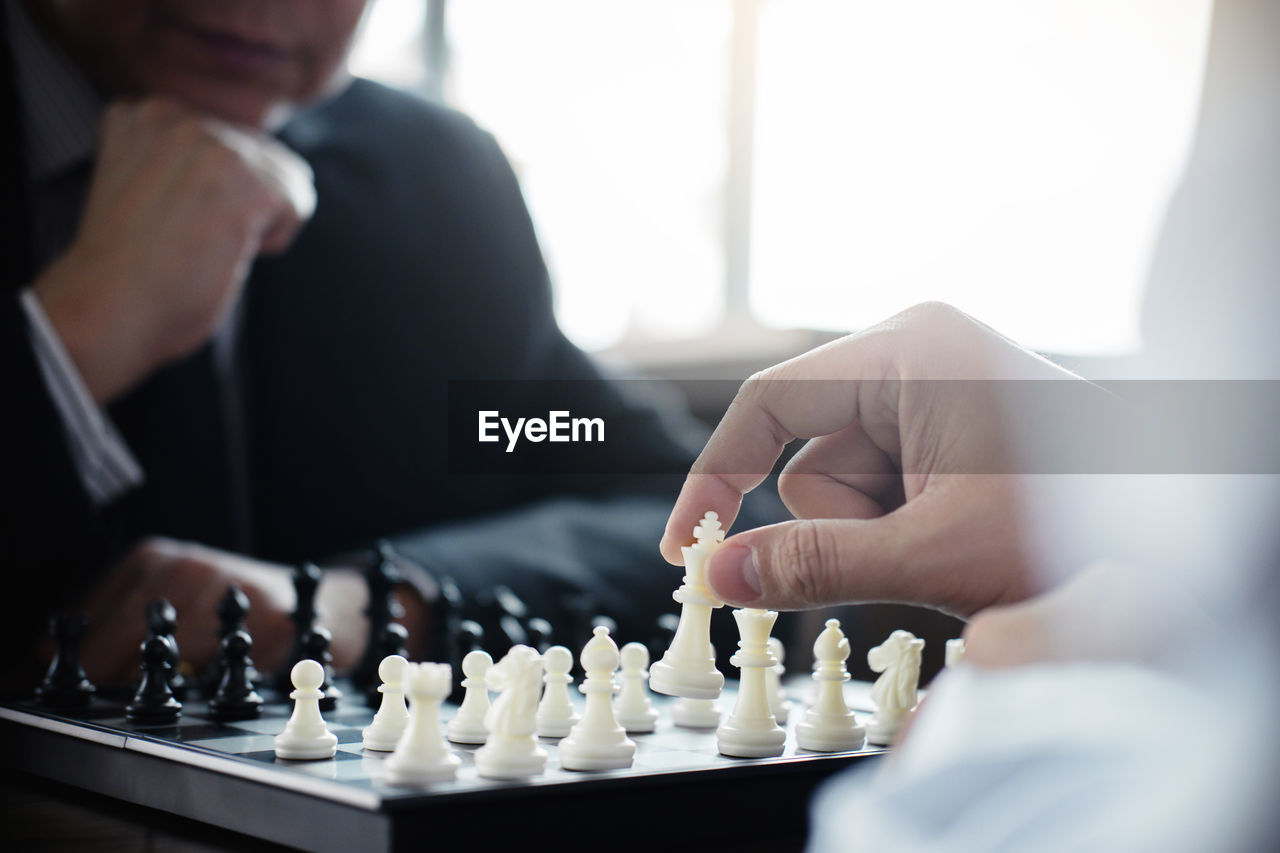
column 422, row 756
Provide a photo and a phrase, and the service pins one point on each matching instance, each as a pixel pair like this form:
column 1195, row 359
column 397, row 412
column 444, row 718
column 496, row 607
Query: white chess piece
column 556, row 714
column 894, row 693
column 751, row 730
column 597, row 742
column 829, row 725
column 512, row 751
column 955, row 651
column 305, row 736
column 633, row 707
column 773, row 679
column 696, row 713
column 467, row 725
column 392, row 718
column 422, row 756
column 688, row 668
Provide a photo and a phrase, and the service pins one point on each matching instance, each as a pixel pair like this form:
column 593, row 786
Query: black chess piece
column 306, row 580
column 540, row 633
column 162, row 621
column 510, row 611
column 470, row 637
column 236, row 698
column 154, row 702
column 580, row 608
column 391, row 641
column 233, row 609
column 315, row 646
column 381, row 578
column 65, row 685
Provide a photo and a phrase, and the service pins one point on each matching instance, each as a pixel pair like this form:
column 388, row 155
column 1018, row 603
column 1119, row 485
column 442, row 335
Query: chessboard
column 680, row 793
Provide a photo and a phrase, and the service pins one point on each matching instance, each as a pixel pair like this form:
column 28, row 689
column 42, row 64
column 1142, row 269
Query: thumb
column 809, row 563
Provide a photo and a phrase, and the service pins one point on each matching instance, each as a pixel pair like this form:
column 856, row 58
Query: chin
column 236, row 104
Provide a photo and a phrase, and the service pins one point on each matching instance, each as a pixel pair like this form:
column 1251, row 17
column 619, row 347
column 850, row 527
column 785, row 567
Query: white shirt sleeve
column 106, row 466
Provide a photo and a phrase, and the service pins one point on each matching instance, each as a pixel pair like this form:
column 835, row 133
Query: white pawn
column 512, row 751
column 422, row 756
column 305, row 736
column 751, row 730
column 773, row 678
column 955, row 651
column 829, row 725
column 467, row 725
column 597, row 742
column 894, row 693
column 556, row 714
column 392, row 718
column 696, row 713
column 633, row 707
column 688, row 668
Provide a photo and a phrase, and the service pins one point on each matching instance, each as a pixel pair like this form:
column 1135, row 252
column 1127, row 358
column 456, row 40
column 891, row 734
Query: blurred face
column 241, row 60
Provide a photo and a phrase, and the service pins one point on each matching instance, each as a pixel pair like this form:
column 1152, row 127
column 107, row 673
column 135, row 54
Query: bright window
column 1012, row 157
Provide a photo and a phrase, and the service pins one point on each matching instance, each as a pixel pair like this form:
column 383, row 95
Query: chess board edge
column 318, row 813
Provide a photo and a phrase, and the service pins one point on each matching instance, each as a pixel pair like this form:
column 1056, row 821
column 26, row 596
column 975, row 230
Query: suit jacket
column 419, row 267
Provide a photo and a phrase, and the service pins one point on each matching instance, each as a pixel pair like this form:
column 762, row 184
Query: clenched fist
column 179, row 206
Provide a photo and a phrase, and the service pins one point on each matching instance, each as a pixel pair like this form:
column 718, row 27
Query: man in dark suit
column 186, row 357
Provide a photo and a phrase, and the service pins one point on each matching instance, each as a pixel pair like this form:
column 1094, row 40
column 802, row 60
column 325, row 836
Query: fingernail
column 733, row 575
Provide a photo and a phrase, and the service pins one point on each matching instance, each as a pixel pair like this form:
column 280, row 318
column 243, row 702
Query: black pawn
column 381, row 579
column 65, row 684
column 236, row 699
column 392, row 641
column 315, row 646
column 306, row 580
column 601, row 620
column 162, row 621
column 233, row 609
column 540, row 633
column 511, row 612
column 154, row 703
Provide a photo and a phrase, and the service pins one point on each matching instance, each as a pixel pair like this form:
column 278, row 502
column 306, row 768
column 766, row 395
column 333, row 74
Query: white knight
column 897, row 660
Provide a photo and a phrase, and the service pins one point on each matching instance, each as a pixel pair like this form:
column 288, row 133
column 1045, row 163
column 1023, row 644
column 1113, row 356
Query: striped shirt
column 60, row 113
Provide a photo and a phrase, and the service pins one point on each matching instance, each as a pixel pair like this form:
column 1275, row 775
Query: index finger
column 817, row 393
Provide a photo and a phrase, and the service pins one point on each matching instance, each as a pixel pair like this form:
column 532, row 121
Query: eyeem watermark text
column 559, row 426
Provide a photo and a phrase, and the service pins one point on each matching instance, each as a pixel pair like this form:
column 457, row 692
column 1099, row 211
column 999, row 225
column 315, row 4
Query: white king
column 688, row 668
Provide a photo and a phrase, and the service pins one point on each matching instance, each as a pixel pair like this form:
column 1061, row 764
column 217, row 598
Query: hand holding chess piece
column 857, row 513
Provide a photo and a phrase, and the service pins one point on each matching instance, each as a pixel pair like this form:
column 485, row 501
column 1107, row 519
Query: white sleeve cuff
column 106, row 466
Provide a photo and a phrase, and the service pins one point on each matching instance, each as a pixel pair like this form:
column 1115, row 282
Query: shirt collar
column 60, row 110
